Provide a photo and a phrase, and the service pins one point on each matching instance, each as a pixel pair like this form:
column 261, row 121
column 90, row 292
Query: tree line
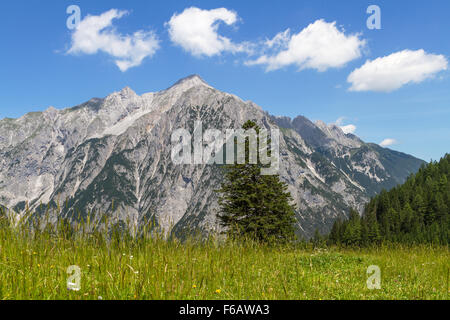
column 415, row 212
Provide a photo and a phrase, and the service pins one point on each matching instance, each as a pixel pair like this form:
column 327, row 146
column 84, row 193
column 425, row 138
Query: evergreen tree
column 364, row 233
column 373, row 231
column 352, row 233
column 407, row 216
column 335, row 236
column 254, row 205
column 317, row 239
column 419, row 207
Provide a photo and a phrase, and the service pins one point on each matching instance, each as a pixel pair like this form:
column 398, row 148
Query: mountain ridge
column 117, row 149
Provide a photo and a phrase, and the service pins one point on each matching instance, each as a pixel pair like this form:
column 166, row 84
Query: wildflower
column 218, row 291
column 100, row 298
column 131, row 257
column 194, row 286
column 39, row 265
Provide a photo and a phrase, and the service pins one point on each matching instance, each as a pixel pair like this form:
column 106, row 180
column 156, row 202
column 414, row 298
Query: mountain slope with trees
column 415, row 212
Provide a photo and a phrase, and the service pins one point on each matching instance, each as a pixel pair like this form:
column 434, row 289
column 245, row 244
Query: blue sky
column 43, row 63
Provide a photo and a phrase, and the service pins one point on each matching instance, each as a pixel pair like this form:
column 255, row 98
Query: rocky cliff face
column 113, row 155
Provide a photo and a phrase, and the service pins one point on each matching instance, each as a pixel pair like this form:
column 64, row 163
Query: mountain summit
column 190, row 81
column 113, row 155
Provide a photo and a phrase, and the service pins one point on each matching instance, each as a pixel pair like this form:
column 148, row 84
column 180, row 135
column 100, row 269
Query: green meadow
column 34, row 265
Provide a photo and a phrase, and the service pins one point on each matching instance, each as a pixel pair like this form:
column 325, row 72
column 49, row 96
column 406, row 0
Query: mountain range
column 113, row 155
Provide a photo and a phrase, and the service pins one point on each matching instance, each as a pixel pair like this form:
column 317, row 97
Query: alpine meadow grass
column 34, row 265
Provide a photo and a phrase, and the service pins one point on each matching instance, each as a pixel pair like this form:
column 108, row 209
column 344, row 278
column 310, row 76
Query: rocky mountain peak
column 336, row 133
column 125, row 93
column 51, row 113
column 188, row 83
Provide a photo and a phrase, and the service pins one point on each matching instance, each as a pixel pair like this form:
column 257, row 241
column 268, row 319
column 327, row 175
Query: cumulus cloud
column 391, row 72
column 196, row 31
column 349, row 128
column 320, row 46
column 388, row 142
column 280, row 40
column 96, row 33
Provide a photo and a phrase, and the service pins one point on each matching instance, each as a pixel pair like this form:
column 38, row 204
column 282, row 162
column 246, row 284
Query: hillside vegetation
column 416, row 212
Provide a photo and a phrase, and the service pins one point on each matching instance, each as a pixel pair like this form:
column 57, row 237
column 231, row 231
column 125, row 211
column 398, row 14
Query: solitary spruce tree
column 253, row 205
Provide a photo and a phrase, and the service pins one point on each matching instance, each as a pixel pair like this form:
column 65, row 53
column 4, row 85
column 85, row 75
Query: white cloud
column 196, row 31
column 319, row 46
column 96, row 33
column 391, row 72
column 280, row 40
column 350, row 128
column 388, row 142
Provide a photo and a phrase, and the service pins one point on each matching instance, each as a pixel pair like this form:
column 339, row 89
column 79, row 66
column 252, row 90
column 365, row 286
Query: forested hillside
column 415, row 212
